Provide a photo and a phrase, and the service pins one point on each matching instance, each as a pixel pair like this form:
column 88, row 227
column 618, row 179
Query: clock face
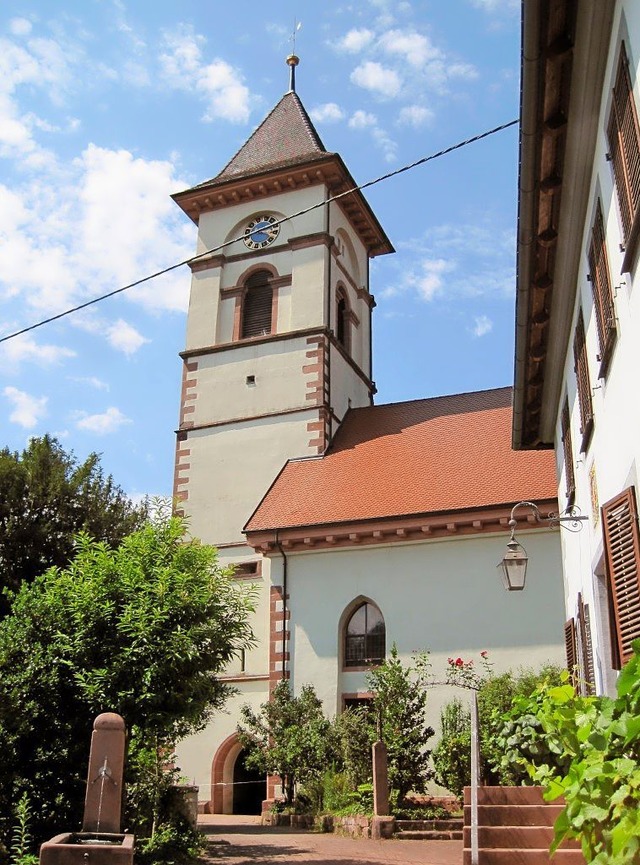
column 261, row 231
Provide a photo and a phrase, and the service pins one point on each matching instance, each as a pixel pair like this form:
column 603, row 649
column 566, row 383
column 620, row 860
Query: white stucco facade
column 606, row 464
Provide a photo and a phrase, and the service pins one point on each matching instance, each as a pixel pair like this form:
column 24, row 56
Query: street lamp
column 513, row 567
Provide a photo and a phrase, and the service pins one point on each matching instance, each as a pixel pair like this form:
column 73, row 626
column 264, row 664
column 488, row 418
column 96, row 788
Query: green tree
column 289, row 737
column 46, row 498
column 399, row 707
column 142, row 630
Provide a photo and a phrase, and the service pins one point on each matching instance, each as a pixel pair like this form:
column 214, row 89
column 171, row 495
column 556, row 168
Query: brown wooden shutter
column 601, row 289
column 571, row 648
column 623, row 133
column 567, row 450
column 257, row 306
column 622, row 556
column 586, row 648
column 583, row 382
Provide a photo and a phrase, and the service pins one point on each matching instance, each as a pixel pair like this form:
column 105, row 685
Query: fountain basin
column 88, row 848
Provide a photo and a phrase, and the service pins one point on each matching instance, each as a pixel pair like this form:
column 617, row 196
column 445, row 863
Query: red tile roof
column 436, row 455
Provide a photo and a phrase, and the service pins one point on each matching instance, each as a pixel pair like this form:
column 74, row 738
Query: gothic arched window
column 364, row 637
column 343, row 320
column 257, row 305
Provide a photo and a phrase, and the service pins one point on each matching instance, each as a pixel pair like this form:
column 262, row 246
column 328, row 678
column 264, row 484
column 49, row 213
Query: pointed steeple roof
column 285, row 137
column 285, row 151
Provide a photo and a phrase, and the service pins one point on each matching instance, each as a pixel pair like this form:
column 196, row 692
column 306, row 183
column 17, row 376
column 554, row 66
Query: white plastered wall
column 443, row 596
column 231, row 470
column 610, row 463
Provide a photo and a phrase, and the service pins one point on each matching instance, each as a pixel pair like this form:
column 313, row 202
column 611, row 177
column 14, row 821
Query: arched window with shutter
column 257, row 305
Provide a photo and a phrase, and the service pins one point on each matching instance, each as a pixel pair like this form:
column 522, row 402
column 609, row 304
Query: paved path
column 235, row 840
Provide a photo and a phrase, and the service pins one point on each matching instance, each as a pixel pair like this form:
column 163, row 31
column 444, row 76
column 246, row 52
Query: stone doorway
column 249, row 788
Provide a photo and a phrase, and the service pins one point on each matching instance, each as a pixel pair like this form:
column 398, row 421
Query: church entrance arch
column 249, row 787
column 235, row 789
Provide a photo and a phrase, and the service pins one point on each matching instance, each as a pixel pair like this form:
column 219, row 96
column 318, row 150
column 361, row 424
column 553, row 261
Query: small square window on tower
column 251, row 380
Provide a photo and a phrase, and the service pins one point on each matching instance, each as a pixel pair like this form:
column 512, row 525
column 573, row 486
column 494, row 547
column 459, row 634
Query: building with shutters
column 360, row 525
column 578, row 306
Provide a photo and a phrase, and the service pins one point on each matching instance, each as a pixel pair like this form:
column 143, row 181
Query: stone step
column 430, row 825
column 515, row 815
column 428, row 835
column 516, row 837
column 525, row 857
column 508, row 796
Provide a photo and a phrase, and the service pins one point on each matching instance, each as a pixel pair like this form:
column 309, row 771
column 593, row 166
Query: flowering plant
column 465, row 674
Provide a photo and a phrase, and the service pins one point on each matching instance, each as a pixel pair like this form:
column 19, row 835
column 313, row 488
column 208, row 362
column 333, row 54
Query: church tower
column 278, row 340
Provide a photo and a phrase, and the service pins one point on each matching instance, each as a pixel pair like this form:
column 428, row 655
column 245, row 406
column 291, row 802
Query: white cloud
column 415, row 115
column 413, row 47
column 362, row 119
column 379, row 79
column 123, row 337
column 355, row 40
column 91, row 380
column 24, row 347
column 496, row 6
column 108, row 422
column 330, row 112
column 20, row 26
column 217, row 82
column 365, row 120
column 482, row 325
column 430, row 281
column 27, row 409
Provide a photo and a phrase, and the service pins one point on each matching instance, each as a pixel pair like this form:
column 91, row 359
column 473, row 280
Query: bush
column 597, row 740
column 451, row 757
column 506, row 734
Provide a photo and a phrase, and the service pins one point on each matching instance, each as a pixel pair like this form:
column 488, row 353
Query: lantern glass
column 513, row 567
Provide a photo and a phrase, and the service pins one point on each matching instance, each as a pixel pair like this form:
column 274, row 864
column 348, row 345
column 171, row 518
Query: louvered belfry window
column 583, row 383
column 567, row 450
column 623, row 133
column 601, row 288
column 622, row 552
column 257, row 305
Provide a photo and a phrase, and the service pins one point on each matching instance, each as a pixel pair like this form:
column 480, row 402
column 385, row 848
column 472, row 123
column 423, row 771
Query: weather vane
column 296, row 26
column 293, row 59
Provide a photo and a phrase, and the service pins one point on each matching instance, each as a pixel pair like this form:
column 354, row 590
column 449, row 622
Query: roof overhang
column 327, row 169
column 389, row 530
column 564, row 54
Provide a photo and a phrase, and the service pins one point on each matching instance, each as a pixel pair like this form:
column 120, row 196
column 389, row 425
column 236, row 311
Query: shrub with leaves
column 398, row 711
column 597, row 740
column 289, row 737
column 142, row 630
column 451, row 757
column 508, row 735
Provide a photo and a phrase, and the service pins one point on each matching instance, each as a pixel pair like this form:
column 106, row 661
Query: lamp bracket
column 570, row 518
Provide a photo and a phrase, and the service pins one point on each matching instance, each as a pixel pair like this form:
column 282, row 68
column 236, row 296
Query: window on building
column 365, row 637
column 602, row 293
column 567, row 450
column 623, row 133
column 583, row 383
column 358, row 702
column 622, row 560
column 257, row 305
column 343, row 320
column 579, row 650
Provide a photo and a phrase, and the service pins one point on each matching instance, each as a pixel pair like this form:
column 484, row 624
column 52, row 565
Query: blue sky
column 107, row 107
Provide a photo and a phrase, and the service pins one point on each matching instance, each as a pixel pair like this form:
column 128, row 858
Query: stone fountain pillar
column 103, row 802
column 100, row 842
